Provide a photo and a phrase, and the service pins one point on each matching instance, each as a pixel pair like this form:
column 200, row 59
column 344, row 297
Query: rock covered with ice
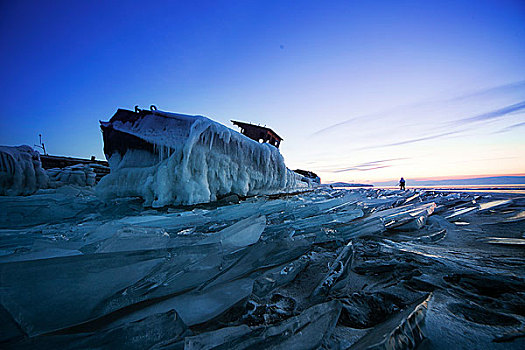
column 78, row 174
column 21, row 171
column 168, row 158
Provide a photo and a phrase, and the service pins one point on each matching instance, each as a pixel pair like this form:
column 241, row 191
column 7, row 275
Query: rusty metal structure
column 259, row 133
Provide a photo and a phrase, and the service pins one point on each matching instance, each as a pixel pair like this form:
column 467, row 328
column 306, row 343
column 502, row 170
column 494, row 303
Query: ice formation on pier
column 21, row 172
column 168, row 158
column 78, row 174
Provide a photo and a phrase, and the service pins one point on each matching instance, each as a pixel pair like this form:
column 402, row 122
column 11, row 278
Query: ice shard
column 402, row 331
column 67, row 291
column 305, row 331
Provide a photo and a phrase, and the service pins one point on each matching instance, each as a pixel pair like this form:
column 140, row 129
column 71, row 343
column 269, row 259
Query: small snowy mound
column 78, row 174
column 21, row 171
column 170, row 159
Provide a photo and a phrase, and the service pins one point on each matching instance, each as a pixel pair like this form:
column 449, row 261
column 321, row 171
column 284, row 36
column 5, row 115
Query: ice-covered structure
column 78, row 174
column 168, row 158
column 21, row 172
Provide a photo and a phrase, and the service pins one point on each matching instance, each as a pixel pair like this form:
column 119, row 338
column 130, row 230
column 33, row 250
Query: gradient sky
column 359, row 90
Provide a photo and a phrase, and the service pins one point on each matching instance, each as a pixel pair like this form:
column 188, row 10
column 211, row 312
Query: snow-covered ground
column 328, row 268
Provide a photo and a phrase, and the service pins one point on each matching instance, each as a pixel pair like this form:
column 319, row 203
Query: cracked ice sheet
column 81, row 288
column 198, row 306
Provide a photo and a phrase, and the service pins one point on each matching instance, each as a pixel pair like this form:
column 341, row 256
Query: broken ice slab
column 220, row 338
column 276, row 309
column 345, row 232
column 169, row 221
column 411, row 198
column 240, row 234
column 47, row 253
column 132, row 238
column 185, row 268
column 279, row 277
column 52, row 206
column 155, row 331
column 432, row 237
column 510, row 336
column 401, row 331
column 67, row 291
column 314, row 223
column 494, row 204
column 460, row 211
column 338, row 269
column 518, row 242
column 517, row 217
column 305, row 331
column 129, row 238
column 311, row 208
column 406, row 218
column 197, row 307
column 260, row 256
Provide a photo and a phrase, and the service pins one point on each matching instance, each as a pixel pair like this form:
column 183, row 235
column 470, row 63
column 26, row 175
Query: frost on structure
column 168, row 158
column 21, row 172
column 78, row 174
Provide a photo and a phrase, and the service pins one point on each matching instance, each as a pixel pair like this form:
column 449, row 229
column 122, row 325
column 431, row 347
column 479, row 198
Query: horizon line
column 437, row 178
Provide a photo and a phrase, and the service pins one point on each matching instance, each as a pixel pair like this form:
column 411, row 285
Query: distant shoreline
column 509, row 188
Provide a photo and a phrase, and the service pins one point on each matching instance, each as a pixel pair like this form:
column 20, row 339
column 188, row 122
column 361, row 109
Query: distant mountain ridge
column 492, row 180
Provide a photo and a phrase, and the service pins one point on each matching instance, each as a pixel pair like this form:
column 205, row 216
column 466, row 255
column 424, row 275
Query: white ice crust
column 78, row 174
column 21, row 172
column 196, row 160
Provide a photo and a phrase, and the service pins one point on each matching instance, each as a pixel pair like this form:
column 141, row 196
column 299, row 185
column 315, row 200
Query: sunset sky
column 361, row 91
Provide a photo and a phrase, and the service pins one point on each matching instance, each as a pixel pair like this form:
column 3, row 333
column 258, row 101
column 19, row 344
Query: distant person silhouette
column 402, row 184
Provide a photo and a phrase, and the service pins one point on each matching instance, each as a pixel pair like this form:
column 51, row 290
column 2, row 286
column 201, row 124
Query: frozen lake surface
column 330, row 268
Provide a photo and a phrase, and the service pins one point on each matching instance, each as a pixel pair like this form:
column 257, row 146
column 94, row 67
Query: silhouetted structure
column 402, row 184
column 259, row 133
column 309, row 174
column 100, row 167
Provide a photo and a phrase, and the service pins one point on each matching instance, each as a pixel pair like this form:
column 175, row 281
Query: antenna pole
column 42, row 145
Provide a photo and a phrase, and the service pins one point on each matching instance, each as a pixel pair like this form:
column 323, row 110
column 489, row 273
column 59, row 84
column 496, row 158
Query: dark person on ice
column 402, row 184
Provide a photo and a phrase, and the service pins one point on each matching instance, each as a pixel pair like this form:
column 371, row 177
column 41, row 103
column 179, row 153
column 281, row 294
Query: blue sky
column 360, row 90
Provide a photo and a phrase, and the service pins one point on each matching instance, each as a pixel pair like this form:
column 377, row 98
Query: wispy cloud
column 483, row 93
column 498, row 113
column 510, row 128
column 368, row 166
column 492, row 91
column 361, row 169
column 414, row 140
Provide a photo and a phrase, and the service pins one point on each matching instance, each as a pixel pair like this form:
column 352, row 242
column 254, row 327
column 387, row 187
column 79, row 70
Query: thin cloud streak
column 509, row 128
column 494, row 114
column 419, row 139
column 480, row 93
column 498, row 113
column 359, row 169
column 373, row 165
